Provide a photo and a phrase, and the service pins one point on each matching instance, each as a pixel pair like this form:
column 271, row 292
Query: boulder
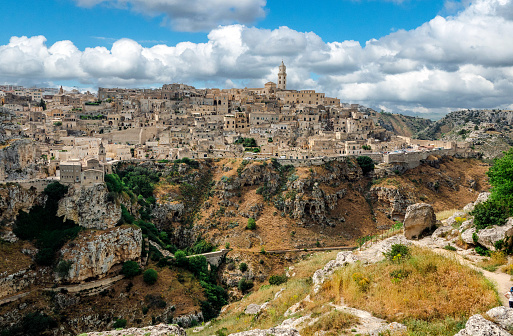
column 483, row 197
column 466, row 224
column 419, row 217
column 479, row 326
column 442, row 232
column 488, row 237
column 502, row 316
column 452, row 220
column 468, row 236
column 252, row 309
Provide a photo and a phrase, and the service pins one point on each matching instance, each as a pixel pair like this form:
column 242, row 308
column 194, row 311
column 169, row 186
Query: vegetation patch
column 426, row 286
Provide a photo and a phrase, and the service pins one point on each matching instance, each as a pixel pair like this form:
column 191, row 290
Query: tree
column 501, row 177
column 243, row 267
column 365, row 163
column 251, row 224
column 150, row 276
column 42, row 104
column 181, row 258
column 130, row 269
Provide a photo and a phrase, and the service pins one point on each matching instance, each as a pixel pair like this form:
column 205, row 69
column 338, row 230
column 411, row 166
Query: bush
column 449, row 248
column 243, row 267
column 277, row 279
column 251, row 224
column 181, row 259
column 130, row 269
column 398, row 252
column 63, row 268
column 491, row 212
column 245, row 285
column 120, row 323
column 150, row 276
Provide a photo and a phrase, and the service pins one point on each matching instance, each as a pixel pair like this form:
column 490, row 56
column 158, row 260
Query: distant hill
column 489, row 131
column 403, row 125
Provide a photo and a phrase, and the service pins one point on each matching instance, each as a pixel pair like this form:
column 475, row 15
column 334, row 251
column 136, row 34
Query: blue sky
column 423, row 57
column 333, row 20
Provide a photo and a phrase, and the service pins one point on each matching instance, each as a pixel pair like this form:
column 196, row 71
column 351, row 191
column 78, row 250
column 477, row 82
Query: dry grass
column 431, row 287
column 508, row 269
column 332, row 323
column 445, row 214
column 295, row 290
column 496, row 259
column 13, row 260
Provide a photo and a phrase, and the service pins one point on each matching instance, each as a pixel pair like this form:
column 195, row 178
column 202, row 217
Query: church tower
column 102, row 155
column 282, row 77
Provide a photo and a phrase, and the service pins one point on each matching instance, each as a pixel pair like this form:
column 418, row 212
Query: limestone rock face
column 397, row 202
column 272, row 331
column 343, row 258
column 157, row 330
column 468, row 236
column 14, row 198
column 419, row 217
column 488, row 237
column 252, row 309
column 483, row 197
column 89, row 207
column 479, row 326
column 94, row 253
column 502, row 316
column 18, row 161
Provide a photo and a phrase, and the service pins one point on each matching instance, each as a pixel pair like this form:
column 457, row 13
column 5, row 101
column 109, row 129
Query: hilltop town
column 76, row 136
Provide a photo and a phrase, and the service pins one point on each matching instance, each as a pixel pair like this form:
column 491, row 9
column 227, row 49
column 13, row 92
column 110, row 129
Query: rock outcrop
column 419, row 217
column 483, row 197
column 18, row 160
column 391, row 201
column 93, row 254
column 477, row 325
column 157, row 330
column 90, row 207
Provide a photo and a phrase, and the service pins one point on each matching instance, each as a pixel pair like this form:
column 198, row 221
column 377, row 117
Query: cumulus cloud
column 460, row 61
column 192, row 15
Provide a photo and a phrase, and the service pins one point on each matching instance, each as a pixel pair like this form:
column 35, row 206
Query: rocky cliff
column 93, row 254
column 90, row 207
column 18, row 160
column 14, row 198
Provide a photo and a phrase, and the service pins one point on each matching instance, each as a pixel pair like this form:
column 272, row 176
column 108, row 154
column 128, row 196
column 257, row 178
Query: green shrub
column 450, row 248
column 277, row 279
column 150, row 276
column 251, row 224
column 63, row 268
column 245, row 285
column 365, row 163
column 120, row 323
column 398, row 252
column 130, row 269
column 181, row 259
column 243, row 267
column 491, row 212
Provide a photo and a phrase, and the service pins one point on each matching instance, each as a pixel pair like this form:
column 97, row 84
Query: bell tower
column 282, row 77
column 102, row 155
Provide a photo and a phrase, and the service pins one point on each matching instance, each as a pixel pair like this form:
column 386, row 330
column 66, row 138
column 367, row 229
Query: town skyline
column 446, row 56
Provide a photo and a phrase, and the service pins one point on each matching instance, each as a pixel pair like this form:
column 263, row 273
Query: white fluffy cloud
column 192, row 15
column 462, row 61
